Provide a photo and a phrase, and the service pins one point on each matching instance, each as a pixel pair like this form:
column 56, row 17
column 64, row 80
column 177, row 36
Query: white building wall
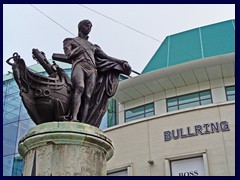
column 217, row 87
column 139, row 141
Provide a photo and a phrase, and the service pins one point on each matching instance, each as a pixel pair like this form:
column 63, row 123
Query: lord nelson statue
column 95, row 76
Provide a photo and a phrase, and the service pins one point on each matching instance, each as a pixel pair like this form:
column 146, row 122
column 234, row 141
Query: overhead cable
column 120, row 23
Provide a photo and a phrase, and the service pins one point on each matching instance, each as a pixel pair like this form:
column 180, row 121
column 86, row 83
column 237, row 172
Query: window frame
column 144, row 112
column 203, row 154
column 199, row 101
column 230, row 95
column 128, row 167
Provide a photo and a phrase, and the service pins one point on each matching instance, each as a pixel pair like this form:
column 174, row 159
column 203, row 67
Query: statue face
column 86, row 27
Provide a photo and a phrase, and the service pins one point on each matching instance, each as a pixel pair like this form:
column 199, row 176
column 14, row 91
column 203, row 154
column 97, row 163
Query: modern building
column 175, row 119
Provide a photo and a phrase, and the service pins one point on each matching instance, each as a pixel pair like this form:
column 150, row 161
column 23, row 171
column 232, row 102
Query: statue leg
column 78, row 84
column 89, row 88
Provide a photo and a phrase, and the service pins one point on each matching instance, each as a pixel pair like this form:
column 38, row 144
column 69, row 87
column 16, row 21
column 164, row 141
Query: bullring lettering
column 196, row 130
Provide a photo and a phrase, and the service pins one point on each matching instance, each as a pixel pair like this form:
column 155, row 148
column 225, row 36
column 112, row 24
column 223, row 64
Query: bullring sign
column 207, row 128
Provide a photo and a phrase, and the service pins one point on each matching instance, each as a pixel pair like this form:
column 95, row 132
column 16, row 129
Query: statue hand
column 127, row 68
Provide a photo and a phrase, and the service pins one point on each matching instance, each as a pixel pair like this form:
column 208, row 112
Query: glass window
column 7, row 165
column 4, row 91
column 149, row 107
column 190, row 104
column 149, row 114
column 9, row 138
column 112, row 119
column 12, row 87
column 189, row 100
column 23, row 128
column 123, row 172
column 188, row 167
column 172, row 101
column 68, row 71
column 17, row 166
column 173, row 108
column 230, row 93
column 205, row 95
column 146, row 110
column 23, row 113
column 4, row 86
column 121, row 77
column 11, row 108
column 135, row 112
column 134, row 118
column 103, row 124
column 207, row 101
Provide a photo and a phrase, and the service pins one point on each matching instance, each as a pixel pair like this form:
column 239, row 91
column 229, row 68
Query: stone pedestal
column 65, row 149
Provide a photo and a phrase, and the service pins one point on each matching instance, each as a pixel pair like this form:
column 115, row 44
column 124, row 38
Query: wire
column 120, row 23
column 107, row 18
column 52, row 19
column 134, row 29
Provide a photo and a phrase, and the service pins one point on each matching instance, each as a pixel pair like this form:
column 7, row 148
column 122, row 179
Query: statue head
column 84, row 27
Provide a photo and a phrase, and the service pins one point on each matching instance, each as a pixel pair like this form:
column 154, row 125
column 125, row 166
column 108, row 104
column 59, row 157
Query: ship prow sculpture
column 45, row 98
column 48, row 98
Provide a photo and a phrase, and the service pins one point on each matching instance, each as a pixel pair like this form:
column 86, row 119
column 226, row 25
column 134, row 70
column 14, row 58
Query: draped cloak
column 105, row 88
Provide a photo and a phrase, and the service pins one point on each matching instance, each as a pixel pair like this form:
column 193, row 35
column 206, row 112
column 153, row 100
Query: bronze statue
column 45, row 98
column 82, row 98
column 85, row 56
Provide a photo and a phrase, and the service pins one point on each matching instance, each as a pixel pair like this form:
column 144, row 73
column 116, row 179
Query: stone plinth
column 65, row 149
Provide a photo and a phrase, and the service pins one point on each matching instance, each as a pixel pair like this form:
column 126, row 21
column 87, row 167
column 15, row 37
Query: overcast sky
column 132, row 32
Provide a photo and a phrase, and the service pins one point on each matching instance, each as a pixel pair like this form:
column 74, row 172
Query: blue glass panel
column 172, row 102
column 188, row 98
column 139, row 112
column 11, row 108
column 205, row 95
column 149, row 114
column 7, row 165
column 23, row 113
column 4, row 91
column 218, row 39
column 23, row 127
column 17, row 166
column 173, row 108
column 4, row 88
column 231, row 98
column 104, row 123
column 159, row 59
column 230, row 90
column 149, row 108
column 135, row 112
column 112, row 113
column 193, row 104
column 12, row 87
column 206, row 101
column 184, row 47
column 9, row 138
column 135, row 117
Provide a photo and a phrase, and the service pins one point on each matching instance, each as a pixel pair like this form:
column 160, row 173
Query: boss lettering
column 190, row 173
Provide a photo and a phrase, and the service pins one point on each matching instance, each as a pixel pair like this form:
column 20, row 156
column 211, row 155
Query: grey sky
column 25, row 28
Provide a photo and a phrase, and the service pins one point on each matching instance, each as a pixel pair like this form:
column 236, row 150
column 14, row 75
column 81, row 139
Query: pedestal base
column 65, row 149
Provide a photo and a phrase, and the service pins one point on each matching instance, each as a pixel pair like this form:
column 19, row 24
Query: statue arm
column 99, row 53
column 8, row 61
column 71, row 49
column 124, row 64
